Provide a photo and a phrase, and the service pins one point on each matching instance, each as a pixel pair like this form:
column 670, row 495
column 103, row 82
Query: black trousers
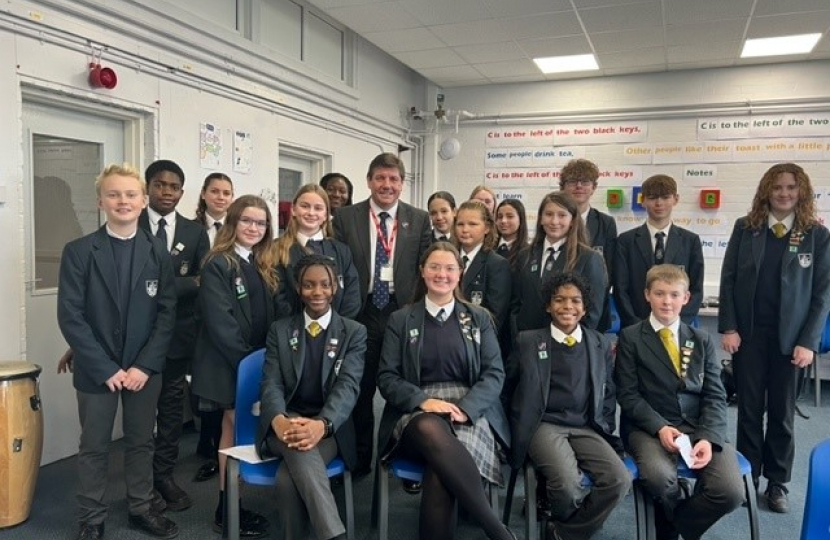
column 766, row 381
column 169, row 418
column 363, row 414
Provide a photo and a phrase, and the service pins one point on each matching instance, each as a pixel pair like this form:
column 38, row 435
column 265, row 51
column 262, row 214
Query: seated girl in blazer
column 311, row 378
column 309, row 231
column 236, row 305
column 441, row 373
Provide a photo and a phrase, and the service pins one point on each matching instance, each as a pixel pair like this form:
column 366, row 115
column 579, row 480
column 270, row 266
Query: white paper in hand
column 685, row 445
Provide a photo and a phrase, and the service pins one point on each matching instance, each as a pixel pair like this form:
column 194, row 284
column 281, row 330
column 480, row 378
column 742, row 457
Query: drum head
column 18, row 370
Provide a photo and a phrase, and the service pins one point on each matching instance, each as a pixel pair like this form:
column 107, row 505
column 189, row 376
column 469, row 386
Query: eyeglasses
column 584, row 182
column 247, row 222
column 449, row 268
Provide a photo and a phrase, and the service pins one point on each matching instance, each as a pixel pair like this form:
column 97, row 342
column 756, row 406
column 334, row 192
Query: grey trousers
column 561, row 454
column 304, row 491
column 97, row 415
column 718, row 491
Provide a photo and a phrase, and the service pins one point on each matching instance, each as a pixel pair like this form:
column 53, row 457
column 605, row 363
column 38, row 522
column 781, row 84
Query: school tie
column 380, row 291
column 161, row 232
column 660, row 248
column 465, row 261
column 667, row 337
column 251, row 258
column 547, row 267
column 441, row 316
column 779, row 230
column 570, row 341
column 315, row 245
column 314, row 329
column 503, row 249
column 443, row 238
column 217, row 225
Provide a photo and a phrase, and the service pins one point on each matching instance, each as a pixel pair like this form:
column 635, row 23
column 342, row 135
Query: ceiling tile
column 413, row 39
column 604, row 3
column 616, row 18
column 375, row 17
column 642, row 57
column 328, row 4
column 490, row 52
column 547, row 25
column 508, row 69
column 430, row 58
column 685, row 12
column 456, row 73
column 518, row 79
column 703, row 52
column 536, row 48
column 470, row 33
column 709, row 32
column 520, row 8
column 775, row 7
column 784, row 25
column 435, row 12
column 634, row 70
column 627, row 40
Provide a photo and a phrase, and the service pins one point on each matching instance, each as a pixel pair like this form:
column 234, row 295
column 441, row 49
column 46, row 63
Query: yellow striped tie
column 779, row 230
column 570, row 341
column 667, row 337
column 314, row 328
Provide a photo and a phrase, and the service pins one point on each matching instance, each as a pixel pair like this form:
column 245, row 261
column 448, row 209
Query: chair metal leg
column 493, row 490
column 816, row 381
column 640, row 513
column 508, row 501
column 531, row 525
column 751, row 506
column 347, row 486
column 230, row 529
column 647, row 512
column 383, row 502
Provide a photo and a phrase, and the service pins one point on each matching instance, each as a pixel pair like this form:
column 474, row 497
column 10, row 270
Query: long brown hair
column 289, row 237
column 201, row 207
column 576, row 241
column 263, row 251
column 805, row 208
column 474, row 205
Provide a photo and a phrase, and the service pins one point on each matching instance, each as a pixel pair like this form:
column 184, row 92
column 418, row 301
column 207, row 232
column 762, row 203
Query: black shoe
column 776, row 495
column 88, row 531
column 175, row 497
column 551, row 533
column 157, row 504
column 246, row 530
column 154, row 525
column 207, row 471
column 252, row 519
column 411, row 487
column 361, row 472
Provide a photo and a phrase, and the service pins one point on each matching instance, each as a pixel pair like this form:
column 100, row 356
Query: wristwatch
column 329, row 426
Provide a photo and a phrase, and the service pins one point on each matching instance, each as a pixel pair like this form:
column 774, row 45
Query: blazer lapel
column 758, row 241
column 144, row 221
column 652, row 341
column 335, row 335
column 472, row 273
column 543, row 353
column 694, row 370
column 179, row 238
column 791, row 255
column 414, row 338
column 592, row 224
column 245, row 301
column 297, row 331
column 595, row 369
column 673, row 245
column 104, row 259
column 643, row 241
column 471, row 335
column 141, row 254
column 404, row 218
column 364, row 243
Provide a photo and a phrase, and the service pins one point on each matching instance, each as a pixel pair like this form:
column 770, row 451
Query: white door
column 64, row 151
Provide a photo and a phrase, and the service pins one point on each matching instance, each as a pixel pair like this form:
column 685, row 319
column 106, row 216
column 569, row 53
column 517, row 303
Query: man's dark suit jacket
column 342, row 370
column 531, row 393
column 351, row 226
column 488, row 279
column 804, row 290
column 346, row 301
column 190, row 245
column 527, row 309
column 399, row 376
column 225, row 332
column 635, row 257
column 651, row 393
column 89, row 315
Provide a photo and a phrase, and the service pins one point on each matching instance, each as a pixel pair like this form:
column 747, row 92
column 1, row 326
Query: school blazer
column 652, row 395
column 487, row 282
column 635, row 256
column 346, row 301
column 399, row 374
column 528, row 306
column 351, row 226
column 602, row 233
column 804, row 290
column 342, row 370
column 89, row 317
column 530, row 398
column 190, row 245
column 225, row 331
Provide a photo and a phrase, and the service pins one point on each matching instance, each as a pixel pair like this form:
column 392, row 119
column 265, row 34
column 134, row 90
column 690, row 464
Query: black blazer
column 531, row 393
column 527, row 305
column 190, row 245
column 635, row 256
column 804, row 290
column 487, row 283
column 225, row 332
column 346, row 301
column 399, row 374
column 652, row 395
column 602, row 233
column 342, row 371
column 351, row 226
column 89, row 317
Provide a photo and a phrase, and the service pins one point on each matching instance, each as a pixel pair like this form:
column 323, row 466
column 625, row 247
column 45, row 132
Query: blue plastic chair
column 749, row 490
column 615, row 316
column 533, row 524
column 816, row 521
column 823, row 348
column 246, row 421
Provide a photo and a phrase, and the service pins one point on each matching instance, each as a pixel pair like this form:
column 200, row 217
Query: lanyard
column 386, row 243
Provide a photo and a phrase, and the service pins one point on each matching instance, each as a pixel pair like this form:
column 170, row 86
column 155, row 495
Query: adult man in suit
column 187, row 243
column 669, row 388
column 579, row 178
column 774, row 298
column 657, row 241
column 116, row 309
column 387, row 238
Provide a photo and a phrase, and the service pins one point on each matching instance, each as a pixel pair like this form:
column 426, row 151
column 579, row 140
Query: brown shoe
column 776, row 495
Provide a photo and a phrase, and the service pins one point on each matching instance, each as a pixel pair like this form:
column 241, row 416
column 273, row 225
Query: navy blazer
column 527, row 305
column 190, row 245
column 399, row 374
column 351, row 226
column 487, row 282
column 804, row 290
column 530, row 397
column 225, row 332
column 634, row 258
column 89, row 316
column 602, row 235
column 346, row 301
column 652, row 395
column 342, row 370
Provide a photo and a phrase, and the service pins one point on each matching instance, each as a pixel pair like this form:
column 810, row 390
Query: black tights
column 450, row 476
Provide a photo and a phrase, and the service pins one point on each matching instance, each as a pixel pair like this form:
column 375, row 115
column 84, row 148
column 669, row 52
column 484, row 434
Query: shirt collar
column 585, row 214
column 241, row 251
column 169, row 219
column 652, row 230
column 559, row 336
column 657, row 326
column 302, row 239
column 438, row 234
column 787, row 221
column 433, row 308
column 323, row 321
column 118, row 236
column 393, row 212
column 210, row 222
column 555, row 245
column 503, row 242
column 472, row 254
